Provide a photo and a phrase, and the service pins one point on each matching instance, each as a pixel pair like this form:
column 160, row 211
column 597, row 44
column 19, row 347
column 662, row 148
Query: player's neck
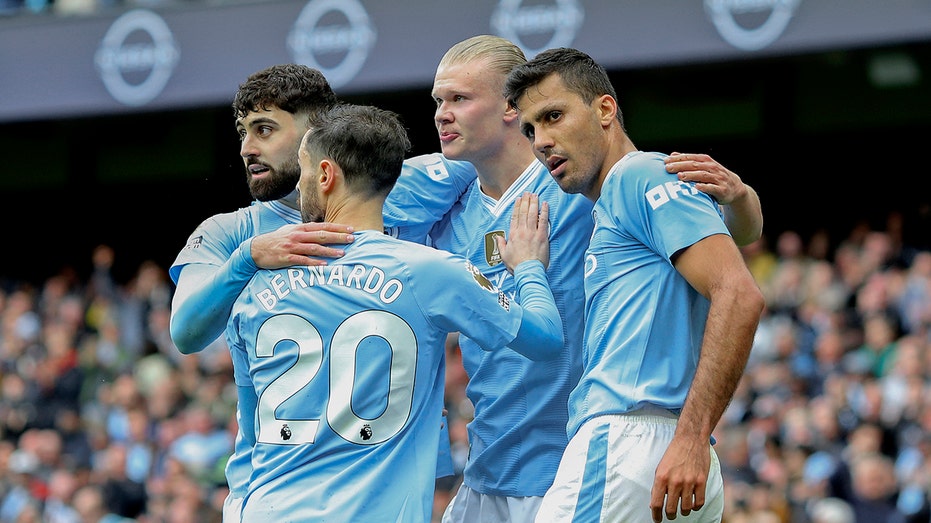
column 360, row 215
column 497, row 173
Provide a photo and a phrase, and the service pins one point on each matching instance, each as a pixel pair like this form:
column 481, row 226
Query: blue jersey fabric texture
column 519, row 430
column 213, row 242
column 422, row 196
column 215, row 239
column 348, row 365
column 428, row 185
column 644, row 322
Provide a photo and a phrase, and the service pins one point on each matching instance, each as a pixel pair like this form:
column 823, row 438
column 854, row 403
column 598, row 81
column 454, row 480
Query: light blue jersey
column 519, row 431
column 215, row 239
column 428, row 185
column 419, row 199
column 214, row 242
column 644, row 322
column 348, row 366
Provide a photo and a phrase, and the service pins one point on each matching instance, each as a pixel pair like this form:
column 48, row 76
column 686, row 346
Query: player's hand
column 681, row 478
column 295, row 244
column 528, row 238
column 709, row 176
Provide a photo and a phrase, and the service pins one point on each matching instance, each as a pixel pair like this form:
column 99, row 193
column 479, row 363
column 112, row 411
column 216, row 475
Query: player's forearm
column 744, row 218
column 540, row 336
column 729, row 331
column 203, row 300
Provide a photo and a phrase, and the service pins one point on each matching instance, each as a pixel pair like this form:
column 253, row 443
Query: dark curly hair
column 297, row 89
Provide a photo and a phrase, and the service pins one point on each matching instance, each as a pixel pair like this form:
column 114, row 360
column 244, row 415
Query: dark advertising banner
column 175, row 56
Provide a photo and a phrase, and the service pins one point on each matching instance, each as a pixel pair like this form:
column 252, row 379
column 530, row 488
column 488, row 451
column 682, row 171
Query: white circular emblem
column 722, row 13
column 347, row 43
column 560, row 23
column 135, row 70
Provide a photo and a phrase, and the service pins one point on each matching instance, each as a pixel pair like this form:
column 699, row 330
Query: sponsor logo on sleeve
column 194, row 243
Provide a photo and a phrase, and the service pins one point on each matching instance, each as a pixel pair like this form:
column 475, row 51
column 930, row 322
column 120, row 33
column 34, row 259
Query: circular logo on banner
column 137, row 57
column 538, row 27
column 767, row 19
column 334, row 36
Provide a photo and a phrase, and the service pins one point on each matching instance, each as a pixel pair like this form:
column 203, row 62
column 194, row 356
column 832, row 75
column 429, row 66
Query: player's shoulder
column 643, row 163
column 415, row 255
column 225, row 219
column 438, row 166
column 638, row 169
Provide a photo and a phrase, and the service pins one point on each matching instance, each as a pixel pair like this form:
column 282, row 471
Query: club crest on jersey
column 492, row 254
column 194, row 243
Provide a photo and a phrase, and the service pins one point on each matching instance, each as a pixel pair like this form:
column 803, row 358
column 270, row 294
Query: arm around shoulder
column 744, row 217
column 204, row 297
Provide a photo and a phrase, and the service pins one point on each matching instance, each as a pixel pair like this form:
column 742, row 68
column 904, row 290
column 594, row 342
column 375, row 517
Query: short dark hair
column 297, row 89
column 368, row 143
column 579, row 71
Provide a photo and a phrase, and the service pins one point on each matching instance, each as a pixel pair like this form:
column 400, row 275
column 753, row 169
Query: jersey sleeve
column 472, row 305
column 428, row 187
column 221, row 263
column 213, row 241
column 669, row 215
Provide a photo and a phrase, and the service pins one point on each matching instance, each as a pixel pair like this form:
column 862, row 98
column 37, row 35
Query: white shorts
column 469, row 506
column 606, row 473
column 232, row 509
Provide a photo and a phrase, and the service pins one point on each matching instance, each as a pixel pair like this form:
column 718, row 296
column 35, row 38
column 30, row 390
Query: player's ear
column 510, row 114
column 327, row 174
column 607, row 109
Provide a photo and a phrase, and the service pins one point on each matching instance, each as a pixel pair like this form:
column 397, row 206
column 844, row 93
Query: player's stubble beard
column 278, row 183
column 311, row 209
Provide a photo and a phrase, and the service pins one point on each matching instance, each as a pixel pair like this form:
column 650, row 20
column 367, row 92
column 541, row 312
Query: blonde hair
column 501, row 54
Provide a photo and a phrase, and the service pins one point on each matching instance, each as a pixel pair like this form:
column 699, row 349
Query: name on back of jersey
column 371, row 280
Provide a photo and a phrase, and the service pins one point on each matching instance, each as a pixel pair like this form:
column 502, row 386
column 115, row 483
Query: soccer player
column 518, row 433
column 670, row 309
column 340, row 367
column 272, row 109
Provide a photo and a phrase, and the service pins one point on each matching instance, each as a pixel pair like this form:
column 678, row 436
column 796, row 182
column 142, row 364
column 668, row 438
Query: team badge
column 492, row 254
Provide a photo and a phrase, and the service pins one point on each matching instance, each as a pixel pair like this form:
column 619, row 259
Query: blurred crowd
column 103, row 420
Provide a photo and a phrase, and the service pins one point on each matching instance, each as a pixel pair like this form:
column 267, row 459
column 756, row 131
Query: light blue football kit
column 519, row 430
column 347, row 362
column 217, row 241
column 644, row 325
column 421, row 196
